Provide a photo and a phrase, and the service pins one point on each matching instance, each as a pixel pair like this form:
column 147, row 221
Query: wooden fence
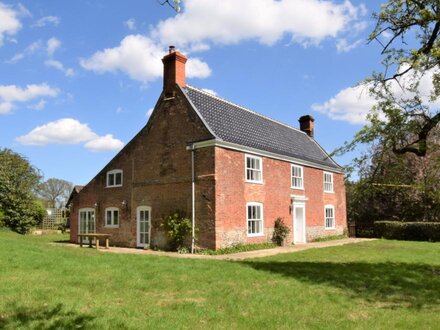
column 54, row 219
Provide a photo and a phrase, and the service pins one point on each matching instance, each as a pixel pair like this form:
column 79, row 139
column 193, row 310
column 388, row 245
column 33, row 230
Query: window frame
column 260, row 205
column 292, row 166
column 333, row 218
column 114, row 172
column 332, row 182
column 112, row 224
column 260, row 159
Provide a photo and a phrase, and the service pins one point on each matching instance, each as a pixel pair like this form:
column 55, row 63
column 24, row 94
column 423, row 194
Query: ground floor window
column 254, row 215
column 329, row 217
column 112, row 217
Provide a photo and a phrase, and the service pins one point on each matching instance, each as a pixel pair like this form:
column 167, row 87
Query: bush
column 178, row 229
column 408, row 231
column 280, row 231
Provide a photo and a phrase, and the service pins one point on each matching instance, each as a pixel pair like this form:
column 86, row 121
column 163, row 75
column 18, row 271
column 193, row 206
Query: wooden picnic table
column 95, row 236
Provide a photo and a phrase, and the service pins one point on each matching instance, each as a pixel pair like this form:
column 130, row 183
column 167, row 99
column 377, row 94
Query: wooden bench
column 95, row 236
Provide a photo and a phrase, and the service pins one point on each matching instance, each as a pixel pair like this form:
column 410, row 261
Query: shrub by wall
column 408, row 231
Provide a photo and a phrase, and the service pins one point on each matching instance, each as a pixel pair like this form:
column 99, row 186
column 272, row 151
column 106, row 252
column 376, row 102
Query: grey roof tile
column 232, row 123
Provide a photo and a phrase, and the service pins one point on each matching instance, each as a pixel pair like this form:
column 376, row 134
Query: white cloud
column 140, row 58
column 69, row 131
column 104, row 143
column 62, row 131
column 267, row 21
column 68, row 72
column 196, row 68
column 29, row 50
column 5, row 107
column 23, row 11
column 9, row 23
column 352, row 104
column 210, row 91
column 343, row 46
column 149, row 112
column 11, row 94
column 137, row 56
column 39, row 106
column 54, row 20
column 52, row 45
column 130, row 24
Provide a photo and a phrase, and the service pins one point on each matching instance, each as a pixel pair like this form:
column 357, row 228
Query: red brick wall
column 157, row 173
column 232, row 194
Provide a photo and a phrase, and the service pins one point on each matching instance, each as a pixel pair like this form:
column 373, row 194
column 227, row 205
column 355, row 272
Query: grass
column 240, row 248
column 374, row 285
column 329, row 238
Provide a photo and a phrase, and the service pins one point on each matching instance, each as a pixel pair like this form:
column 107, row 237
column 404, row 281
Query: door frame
column 138, row 234
column 86, row 209
column 298, row 202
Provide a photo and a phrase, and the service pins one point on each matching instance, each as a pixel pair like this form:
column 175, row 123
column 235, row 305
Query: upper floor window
column 297, row 177
column 254, row 217
column 112, row 217
column 329, row 217
column 114, row 178
column 254, row 169
column 328, row 182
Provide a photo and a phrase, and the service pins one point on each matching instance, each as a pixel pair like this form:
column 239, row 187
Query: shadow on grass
column 388, row 285
column 44, row 317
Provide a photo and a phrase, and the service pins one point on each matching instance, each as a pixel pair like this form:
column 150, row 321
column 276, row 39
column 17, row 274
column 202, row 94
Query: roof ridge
column 244, row 108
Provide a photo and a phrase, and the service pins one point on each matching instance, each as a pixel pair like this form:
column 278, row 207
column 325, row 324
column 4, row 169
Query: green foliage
column 178, row 229
column 18, row 180
column 405, row 113
column 329, row 238
column 2, row 216
column 395, row 187
column 280, row 231
column 239, row 248
column 408, row 231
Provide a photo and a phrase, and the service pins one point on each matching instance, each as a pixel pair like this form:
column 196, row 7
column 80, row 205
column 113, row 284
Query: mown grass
column 240, row 248
column 375, row 285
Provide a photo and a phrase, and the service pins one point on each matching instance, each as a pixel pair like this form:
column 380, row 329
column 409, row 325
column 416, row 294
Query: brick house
column 232, row 170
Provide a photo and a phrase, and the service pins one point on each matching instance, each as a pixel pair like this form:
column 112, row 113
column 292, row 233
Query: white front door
column 86, row 223
column 299, row 223
column 143, row 226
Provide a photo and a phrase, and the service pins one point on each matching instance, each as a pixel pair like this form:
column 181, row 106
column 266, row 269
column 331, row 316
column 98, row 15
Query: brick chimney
column 306, row 124
column 173, row 71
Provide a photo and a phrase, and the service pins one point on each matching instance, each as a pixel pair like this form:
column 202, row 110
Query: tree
column 18, row 181
column 55, row 191
column 406, row 113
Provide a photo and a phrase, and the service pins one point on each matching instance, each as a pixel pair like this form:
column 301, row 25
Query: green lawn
column 374, row 285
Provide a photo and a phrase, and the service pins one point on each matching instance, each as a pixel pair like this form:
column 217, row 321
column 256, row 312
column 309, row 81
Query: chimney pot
column 306, row 124
column 171, row 49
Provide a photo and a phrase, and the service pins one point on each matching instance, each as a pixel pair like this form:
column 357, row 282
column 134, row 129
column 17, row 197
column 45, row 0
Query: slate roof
column 232, row 123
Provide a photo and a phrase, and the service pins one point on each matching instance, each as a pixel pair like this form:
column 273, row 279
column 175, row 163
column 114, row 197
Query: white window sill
column 258, row 182
column 115, row 186
column 297, row 188
column 330, row 228
column 255, row 235
column 329, row 192
column 114, row 226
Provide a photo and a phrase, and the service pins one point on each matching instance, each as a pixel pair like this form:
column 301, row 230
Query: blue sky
column 79, row 78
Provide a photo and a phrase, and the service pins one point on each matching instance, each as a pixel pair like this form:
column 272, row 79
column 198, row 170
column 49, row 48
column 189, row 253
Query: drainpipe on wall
column 193, row 199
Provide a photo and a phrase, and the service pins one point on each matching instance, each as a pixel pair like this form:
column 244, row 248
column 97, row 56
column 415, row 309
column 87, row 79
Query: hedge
column 408, row 231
